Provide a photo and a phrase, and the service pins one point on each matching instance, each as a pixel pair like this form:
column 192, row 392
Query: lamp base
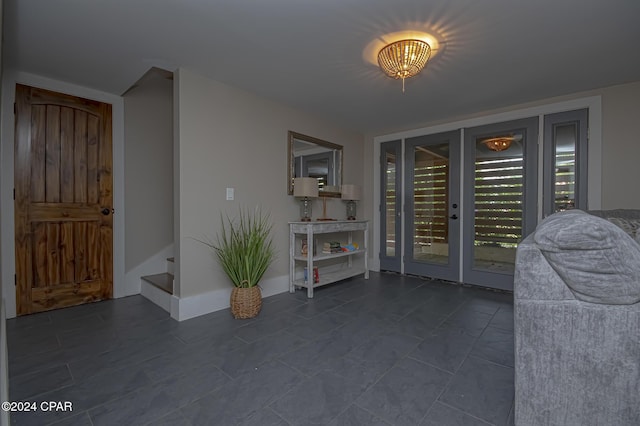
column 305, row 210
column 351, row 210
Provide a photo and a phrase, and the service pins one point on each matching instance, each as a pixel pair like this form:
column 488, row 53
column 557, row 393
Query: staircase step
column 163, row 281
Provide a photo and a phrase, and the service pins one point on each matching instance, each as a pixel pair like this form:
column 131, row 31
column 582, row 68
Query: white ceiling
column 309, row 54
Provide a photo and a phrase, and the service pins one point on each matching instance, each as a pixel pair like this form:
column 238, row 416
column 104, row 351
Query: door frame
column 392, row 263
column 594, row 105
column 121, row 286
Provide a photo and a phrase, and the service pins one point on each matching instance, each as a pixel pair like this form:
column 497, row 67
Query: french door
column 468, row 201
column 432, row 206
column 500, row 201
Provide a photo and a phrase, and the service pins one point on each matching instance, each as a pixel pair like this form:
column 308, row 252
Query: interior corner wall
column 621, row 146
column 148, row 170
column 229, row 138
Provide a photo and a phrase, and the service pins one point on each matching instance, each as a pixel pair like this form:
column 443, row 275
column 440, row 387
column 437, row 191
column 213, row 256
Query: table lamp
column 351, row 193
column 305, row 188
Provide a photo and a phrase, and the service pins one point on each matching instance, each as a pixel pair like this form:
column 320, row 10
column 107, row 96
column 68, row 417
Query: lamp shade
column 350, row 192
column 305, row 187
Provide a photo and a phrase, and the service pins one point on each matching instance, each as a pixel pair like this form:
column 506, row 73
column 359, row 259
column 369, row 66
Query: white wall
column 229, row 138
column 148, row 157
column 9, row 80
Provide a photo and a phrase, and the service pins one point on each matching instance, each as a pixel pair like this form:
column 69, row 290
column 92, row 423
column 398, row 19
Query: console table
column 332, row 267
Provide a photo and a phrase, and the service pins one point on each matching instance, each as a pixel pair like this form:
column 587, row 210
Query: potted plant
column 244, row 248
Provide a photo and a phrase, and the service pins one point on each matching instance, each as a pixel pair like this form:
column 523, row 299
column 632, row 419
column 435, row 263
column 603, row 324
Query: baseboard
column 194, row 306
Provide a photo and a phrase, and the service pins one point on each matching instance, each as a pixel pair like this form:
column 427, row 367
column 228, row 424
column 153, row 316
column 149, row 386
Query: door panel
column 500, row 199
column 390, row 207
column 432, row 206
column 63, row 200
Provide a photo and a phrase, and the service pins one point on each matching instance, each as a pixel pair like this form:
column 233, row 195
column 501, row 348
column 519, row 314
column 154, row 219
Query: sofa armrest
column 534, row 278
column 576, row 362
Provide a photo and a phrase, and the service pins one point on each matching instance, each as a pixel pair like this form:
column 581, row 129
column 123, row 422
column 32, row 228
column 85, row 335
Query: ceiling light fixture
column 404, row 58
column 498, row 144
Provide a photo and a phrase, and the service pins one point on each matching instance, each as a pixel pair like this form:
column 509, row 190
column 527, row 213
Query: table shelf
column 326, row 256
column 353, row 263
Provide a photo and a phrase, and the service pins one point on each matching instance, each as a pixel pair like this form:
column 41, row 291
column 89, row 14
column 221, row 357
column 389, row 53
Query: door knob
column 453, row 216
column 106, row 211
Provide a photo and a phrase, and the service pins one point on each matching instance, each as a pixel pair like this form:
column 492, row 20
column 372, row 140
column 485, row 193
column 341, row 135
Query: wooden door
column 63, row 200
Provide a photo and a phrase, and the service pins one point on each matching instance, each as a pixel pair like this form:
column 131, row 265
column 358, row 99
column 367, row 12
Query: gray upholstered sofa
column 577, row 321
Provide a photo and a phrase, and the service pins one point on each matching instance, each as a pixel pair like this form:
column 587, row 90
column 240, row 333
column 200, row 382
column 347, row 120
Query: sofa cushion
column 597, row 260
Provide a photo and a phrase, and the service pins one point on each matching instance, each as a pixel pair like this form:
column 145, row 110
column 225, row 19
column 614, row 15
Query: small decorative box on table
column 334, row 263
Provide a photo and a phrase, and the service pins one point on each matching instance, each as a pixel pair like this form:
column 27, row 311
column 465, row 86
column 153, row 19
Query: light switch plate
column 230, row 194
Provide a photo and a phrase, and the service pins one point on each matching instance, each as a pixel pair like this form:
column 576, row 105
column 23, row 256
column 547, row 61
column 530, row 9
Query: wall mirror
column 312, row 157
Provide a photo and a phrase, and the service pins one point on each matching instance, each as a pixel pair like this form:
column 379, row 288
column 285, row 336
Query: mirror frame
column 291, row 160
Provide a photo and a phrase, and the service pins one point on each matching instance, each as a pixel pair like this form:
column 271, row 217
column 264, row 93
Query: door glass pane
column 565, row 136
column 498, row 198
column 565, row 149
column 430, row 192
column 390, row 202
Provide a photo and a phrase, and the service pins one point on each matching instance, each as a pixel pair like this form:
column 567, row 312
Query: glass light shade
column 498, row 144
column 404, row 58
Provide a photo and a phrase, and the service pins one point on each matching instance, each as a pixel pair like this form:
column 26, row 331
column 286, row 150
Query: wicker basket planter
column 244, row 248
column 245, row 302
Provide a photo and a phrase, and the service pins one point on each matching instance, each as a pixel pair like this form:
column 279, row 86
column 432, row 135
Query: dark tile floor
column 392, row 350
